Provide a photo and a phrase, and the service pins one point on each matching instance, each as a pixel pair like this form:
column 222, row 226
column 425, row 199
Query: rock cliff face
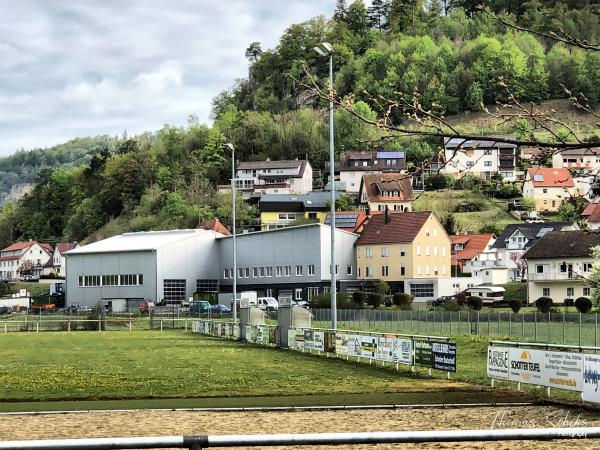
column 16, row 192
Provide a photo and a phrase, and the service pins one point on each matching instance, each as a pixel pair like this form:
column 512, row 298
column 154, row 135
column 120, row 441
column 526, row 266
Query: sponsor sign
column 369, row 346
column 308, row 339
column 354, row 345
column 260, row 334
column 498, row 362
column 423, row 353
column 291, row 338
column 526, row 366
column 563, row 370
column 443, row 356
column 341, row 343
column 299, row 339
column 249, row 332
column 285, row 301
column 319, row 341
column 591, row 378
column 393, row 349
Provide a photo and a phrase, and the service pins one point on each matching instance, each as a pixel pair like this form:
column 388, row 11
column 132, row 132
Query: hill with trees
column 447, row 56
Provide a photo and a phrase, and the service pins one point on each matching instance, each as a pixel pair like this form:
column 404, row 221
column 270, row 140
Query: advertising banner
column 292, row 338
column 319, row 341
column 249, row 333
column 498, row 362
column 354, row 345
column 260, row 334
column 299, row 339
column 341, row 343
column 563, row 370
column 369, row 346
column 591, row 378
column 443, row 356
column 308, row 339
column 393, row 349
column 423, row 353
column 526, row 366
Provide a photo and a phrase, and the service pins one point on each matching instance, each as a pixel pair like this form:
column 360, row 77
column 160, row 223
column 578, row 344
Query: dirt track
column 107, row 424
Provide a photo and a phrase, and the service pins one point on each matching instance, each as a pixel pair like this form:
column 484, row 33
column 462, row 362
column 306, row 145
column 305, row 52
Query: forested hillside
column 447, row 53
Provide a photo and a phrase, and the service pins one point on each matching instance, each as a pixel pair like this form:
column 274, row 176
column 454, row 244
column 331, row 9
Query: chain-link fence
column 553, row 328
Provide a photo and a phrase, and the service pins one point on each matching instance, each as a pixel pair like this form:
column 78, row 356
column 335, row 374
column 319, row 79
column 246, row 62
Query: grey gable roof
column 529, row 230
column 565, row 244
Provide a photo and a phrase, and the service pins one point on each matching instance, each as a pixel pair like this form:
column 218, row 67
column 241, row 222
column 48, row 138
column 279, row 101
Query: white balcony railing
column 554, row 276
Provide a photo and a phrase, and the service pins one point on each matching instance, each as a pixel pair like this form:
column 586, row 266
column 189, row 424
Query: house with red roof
column 549, row 187
column 591, row 214
column 58, row 259
column 474, row 254
column 391, row 189
column 21, row 257
column 351, row 221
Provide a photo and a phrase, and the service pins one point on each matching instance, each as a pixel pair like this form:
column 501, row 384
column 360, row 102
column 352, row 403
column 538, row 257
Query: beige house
column 31, row 256
column 394, row 190
column 410, row 251
column 256, row 178
column 583, row 159
column 558, row 265
column 549, row 187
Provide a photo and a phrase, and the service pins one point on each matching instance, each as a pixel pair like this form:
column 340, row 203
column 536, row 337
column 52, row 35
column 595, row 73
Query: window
column 247, row 272
column 587, row 267
column 435, row 270
column 348, row 270
column 487, row 163
column 419, row 269
column 262, row 271
column 369, row 271
column 539, row 268
column 311, row 269
column 80, row 281
column 298, row 271
column 255, row 272
column 435, row 250
column 570, row 292
column 312, row 291
column 385, row 251
column 204, row 285
column 402, row 251
column 312, row 215
column 443, row 270
column 487, row 151
column 444, row 251
column 421, row 290
column 174, row 290
column 368, row 252
column 427, row 269
column 402, row 270
column 225, row 273
column 288, row 271
column 470, row 164
column 546, row 292
column 587, row 291
column 231, row 273
column 418, row 250
column 282, row 216
column 545, row 191
column 278, row 271
column 269, row 271
column 336, row 269
column 240, row 272
column 384, row 271
column 298, row 294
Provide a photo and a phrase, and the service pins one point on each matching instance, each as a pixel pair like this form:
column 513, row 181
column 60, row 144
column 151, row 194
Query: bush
column 323, row 300
column 475, row 303
column 374, row 299
column 490, row 228
column 403, row 301
column 543, row 304
column 448, row 306
column 439, row 181
column 359, row 298
column 515, row 304
column 583, row 305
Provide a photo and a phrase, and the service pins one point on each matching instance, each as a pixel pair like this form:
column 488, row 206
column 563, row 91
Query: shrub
column 449, row 306
column 439, row 181
column 543, row 304
column 475, row 303
column 515, row 304
column 374, row 299
column 323, row 300
column 490, row 228
column 359, row 298
column 403, row 301
column 583, row 305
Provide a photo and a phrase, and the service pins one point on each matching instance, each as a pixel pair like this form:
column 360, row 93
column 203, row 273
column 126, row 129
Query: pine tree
column 379, row 14
column 340, row 11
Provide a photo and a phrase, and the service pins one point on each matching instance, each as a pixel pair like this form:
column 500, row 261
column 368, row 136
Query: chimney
column 386, row 215
column 368, row 212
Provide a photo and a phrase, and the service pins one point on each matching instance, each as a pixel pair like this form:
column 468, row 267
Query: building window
column 312, row 215
column 348, row 270
column 539, row 268
column 174, row 290
column 487, row 163
column 435, row 250
column 384, row 271
column 427, row 269
column 282, row 216
column 587, row 291
column 278, row 271
column 240, row 272
column 385, row 251
column 298, row 294
column 247, row 272
column 545, row 191
column 546, row 292
column 421, row 290
column 206, row 285
column 312, row 292
column 336, row 269
column 311, row 269
column 369, row 271
column 435, row 270
column 402, row 270
column 570, row 292
column 225, row 273
column 231, row 273
column 587, row 267
column 368, row 252
column 298, row 271
column 419, row 269
column 418, row 250
column 427, row 250
column 402, row 253
column 288, row 271
column 255, row 272
column 261, row 271
column 269, row 271
column 444, row 251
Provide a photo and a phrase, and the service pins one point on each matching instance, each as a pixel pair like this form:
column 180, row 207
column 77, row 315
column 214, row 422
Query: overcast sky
column 72, row 68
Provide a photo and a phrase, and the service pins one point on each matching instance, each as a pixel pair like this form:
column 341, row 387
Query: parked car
column 199, row 307
column 268, row 303
column 301, row 304
column 444, row 299
column 219, row 309
column 85, row 309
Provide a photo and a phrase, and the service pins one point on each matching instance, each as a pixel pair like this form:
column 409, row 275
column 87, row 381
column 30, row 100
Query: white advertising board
column 393, row 349
column 249, row 333
column 354, row 345
column 299, row 339
column 292, row 338
column 319, row 341
column 525, row 366
column 498, row 362
column 563, row 370
column 341, row 343
column 591, row 378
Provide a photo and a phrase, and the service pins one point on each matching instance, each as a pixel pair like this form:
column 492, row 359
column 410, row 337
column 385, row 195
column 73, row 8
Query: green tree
column 474, row 98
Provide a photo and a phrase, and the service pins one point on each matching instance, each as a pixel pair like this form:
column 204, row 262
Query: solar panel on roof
column 383, row 155
column 538, row 178
column 543, row 231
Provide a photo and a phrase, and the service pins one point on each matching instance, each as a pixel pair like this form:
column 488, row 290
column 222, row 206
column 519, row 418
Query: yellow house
column 410, row 251
column 548, row 187
column 282, row 210
column 391, row 189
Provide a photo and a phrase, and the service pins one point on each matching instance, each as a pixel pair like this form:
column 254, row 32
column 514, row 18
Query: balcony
column 487, row 264
column 554, row 276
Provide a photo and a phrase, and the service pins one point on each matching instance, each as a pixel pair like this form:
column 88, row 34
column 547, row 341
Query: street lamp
column 231, row 148
column 325, row 49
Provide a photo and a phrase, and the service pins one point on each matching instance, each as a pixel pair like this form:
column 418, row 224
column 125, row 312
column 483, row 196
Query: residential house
column 411, row 251
column 394, row 190
column 586, row 160
column 294, row 261
column 516, row 239
column 30, row 254
column 257, row 178
column 549, row 187
column 473, row 254
column 353, row 165
column 559, row 264
column 279, row 211
column 483, row 158
column 591, row 214
column 351, row 221
column 58, row 259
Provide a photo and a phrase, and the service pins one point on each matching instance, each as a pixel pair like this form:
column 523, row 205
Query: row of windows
column 570, row 292
column 294, row 216
column 421, row 290
column 111, row 280
column 280, row 271
column 385, row 271
column 385, row 251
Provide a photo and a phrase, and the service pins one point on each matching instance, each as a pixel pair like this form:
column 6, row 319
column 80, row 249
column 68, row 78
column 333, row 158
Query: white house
column 591, row 214
column 549, row 187
column 21, row 254
column 483, row 158
column 274, row 177
column 58, row 259
column 559, row 264
column 585, row 159
column 353, row 165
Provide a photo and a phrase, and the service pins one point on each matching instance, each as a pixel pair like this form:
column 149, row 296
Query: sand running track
column 138, row 423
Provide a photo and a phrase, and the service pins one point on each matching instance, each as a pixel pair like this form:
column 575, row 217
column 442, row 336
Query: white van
column 268, row 303
column 489, row 294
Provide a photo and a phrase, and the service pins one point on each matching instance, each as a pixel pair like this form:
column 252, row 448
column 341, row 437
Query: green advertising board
column 423, row 353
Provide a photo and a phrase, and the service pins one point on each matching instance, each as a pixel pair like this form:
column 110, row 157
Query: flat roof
column 287, row 229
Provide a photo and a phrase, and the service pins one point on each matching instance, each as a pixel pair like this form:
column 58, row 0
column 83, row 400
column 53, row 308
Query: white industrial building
column 156, row 266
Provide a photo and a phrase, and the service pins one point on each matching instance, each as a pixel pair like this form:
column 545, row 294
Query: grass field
column 443, row 203
column 140, row 365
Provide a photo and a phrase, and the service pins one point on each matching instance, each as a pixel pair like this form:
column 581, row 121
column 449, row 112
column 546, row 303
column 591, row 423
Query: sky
column 74, row 68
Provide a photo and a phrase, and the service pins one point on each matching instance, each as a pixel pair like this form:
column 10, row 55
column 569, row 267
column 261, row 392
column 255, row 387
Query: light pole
column 232, row 149
column 325, row 49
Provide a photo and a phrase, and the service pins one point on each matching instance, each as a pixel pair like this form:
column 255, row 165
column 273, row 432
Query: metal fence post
column 563, row 328
column 523, row 327
column 549, row 334
column 498, row 323
column 579, row 329
column 510, row 324
column 535, row 325
column 596, row 330
column 488, row 313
